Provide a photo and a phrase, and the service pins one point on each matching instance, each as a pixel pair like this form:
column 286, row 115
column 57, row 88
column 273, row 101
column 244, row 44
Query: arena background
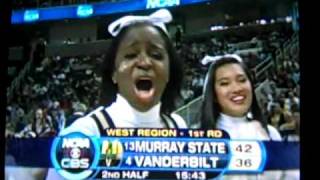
column 52, row 65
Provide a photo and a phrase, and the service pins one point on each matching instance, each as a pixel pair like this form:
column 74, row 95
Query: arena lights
column 217, row 28
column 288, row 19
column 263, row 22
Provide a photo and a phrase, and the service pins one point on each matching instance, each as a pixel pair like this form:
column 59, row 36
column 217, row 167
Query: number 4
column 128, row 161
column 239, row 148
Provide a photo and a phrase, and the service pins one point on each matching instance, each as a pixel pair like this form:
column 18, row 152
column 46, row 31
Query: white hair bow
column 211, row 59
column 158, row 18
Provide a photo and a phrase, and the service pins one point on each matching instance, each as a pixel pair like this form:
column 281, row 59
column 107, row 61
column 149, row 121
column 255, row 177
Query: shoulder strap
column 169, row 121
column 108, row 118
column 103, row 120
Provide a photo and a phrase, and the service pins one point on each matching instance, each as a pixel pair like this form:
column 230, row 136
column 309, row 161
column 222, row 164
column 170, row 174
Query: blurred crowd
column 60, row 89
column 282, row 104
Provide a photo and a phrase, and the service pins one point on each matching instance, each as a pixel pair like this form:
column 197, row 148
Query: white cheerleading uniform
column 123, row 115
column 241, row 128
column 120, row 114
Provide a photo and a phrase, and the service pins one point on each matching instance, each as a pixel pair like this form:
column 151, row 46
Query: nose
column 144, row 62
column 236, row 87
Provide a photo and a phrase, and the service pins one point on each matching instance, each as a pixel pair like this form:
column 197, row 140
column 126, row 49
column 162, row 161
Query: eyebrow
column 131, row 44
column 152, row 44
column 158, row 46
column 222, row 79
column 227, row 78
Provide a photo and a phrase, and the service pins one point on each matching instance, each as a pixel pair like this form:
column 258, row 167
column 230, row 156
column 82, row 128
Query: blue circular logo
column 75, row 155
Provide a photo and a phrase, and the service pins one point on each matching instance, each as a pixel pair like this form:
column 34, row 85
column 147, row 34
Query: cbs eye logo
column 75, row 155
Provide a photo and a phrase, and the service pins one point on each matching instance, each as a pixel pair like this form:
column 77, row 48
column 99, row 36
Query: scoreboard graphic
column 155, row 154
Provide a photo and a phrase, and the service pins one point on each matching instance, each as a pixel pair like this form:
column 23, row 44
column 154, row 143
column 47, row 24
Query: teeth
column 238, row 98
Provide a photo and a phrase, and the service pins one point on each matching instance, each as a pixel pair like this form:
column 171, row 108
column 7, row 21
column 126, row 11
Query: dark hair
column 295, row 108
column 210, row 109
column 171, row 93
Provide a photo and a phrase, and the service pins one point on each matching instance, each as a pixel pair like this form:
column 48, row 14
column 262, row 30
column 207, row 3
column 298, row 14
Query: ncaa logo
column 75, row 155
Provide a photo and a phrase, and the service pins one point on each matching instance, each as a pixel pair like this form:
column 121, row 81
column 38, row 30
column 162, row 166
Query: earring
column 114, row 81
column 113, row 78
column 249, row 115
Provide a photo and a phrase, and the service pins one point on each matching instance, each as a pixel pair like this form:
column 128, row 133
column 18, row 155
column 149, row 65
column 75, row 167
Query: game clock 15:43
column 188, row 175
